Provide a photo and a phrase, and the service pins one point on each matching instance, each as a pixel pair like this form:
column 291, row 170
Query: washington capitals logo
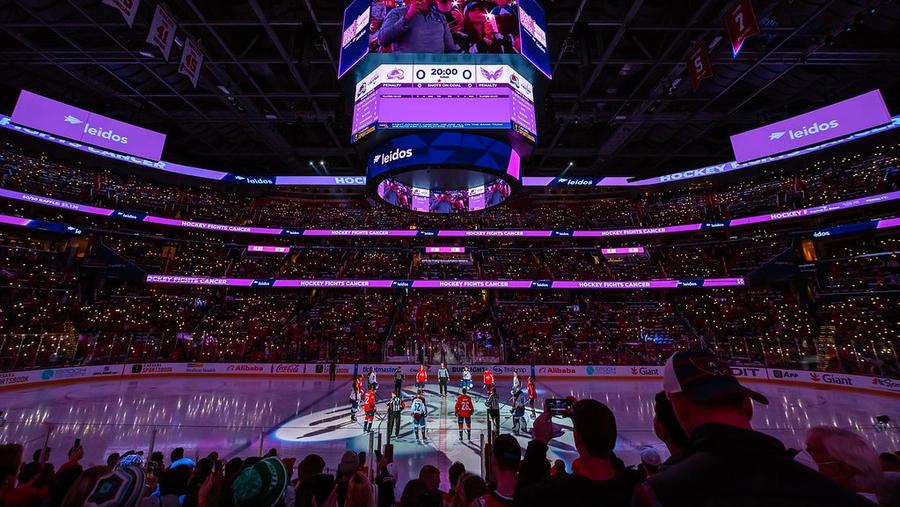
column 491, row 76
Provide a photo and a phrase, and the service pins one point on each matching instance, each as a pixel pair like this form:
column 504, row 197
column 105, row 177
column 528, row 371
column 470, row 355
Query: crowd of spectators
column 703, row 417
column 775, row 189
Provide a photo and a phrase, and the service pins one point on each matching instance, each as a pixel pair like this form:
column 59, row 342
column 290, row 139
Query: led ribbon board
column 48, row 115
column 685, row 283
column 444, row 97
column 499, row 233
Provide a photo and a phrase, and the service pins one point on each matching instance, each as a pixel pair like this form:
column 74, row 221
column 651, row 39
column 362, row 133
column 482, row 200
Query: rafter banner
column 741, row 23
column 699, row 65
column 162, row 31
column 128, row 8
column 191, row 61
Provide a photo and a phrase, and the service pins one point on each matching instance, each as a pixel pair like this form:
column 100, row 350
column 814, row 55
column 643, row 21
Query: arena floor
column 238, row 417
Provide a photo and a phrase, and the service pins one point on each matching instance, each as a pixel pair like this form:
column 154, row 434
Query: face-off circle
column 444, row 172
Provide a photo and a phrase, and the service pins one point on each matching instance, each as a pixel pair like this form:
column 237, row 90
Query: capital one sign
column 58, row 118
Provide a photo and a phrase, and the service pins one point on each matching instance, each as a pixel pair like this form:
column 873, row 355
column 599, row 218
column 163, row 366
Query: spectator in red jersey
column 726, row 462
column 463, row 410
column 505, row 467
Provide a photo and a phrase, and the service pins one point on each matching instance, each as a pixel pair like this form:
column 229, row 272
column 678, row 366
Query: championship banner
column 699, row 66
column 741, row 23
column 128, row 8
column 191, row 61
column 162, row 31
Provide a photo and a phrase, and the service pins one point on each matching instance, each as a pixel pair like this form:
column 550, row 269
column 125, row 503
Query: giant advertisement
column 442, row 97
column 837, row 120
column 38, row 112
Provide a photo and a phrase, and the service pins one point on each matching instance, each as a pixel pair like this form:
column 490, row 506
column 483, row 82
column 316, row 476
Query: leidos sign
column 837, row 120
column 68, row 121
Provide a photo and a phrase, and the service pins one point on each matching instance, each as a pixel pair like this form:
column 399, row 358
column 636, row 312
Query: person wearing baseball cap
column 596, row 480
column 726, row 462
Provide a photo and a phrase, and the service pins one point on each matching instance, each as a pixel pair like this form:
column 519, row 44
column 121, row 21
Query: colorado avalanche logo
column 491, row 76
column 397, row 74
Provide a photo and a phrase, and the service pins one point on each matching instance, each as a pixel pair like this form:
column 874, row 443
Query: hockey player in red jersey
column 488, row 380
column 369, row 408
column 464, row 408
column 532, row 395
column 421, row 377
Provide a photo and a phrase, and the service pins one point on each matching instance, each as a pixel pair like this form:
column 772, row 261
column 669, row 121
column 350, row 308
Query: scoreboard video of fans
column 428, row 96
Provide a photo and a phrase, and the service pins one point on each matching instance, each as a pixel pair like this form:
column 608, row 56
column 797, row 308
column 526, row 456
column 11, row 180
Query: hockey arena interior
column 449, row 253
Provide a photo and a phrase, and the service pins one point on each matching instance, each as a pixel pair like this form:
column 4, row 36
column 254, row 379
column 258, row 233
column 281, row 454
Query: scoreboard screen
column 428, row 96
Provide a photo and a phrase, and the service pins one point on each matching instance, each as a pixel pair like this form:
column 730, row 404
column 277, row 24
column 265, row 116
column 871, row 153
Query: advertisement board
column 48, row 115
column 806, row 378
column 837, row 120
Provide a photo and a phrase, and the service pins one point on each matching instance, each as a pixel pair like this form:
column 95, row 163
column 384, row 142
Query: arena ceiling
column 621, row 102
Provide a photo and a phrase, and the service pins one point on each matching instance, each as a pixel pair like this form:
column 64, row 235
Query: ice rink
column 241, row 416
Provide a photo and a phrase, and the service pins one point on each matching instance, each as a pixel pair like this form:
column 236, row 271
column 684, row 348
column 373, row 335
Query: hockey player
column 488, row 380
column 373, row 379
column 421, row 377
column 394, row 407
column 518, row 412
column 369, row 408
column 466, row 382
column 354, row 401
column 463, row 410
column 443, row 379
column 532, row 394
column 419, row 410
column 516, row 383
column 492, row 404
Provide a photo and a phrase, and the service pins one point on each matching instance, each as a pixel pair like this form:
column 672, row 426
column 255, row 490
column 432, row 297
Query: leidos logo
column 805, row 131
column 575, row 182
column 391, row 156
column 96, row 132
